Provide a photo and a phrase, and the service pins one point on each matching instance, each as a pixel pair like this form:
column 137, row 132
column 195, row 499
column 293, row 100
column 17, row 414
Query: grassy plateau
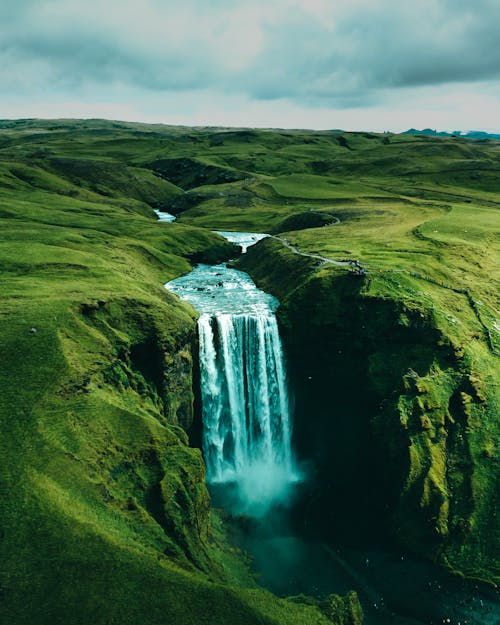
column 105, row 517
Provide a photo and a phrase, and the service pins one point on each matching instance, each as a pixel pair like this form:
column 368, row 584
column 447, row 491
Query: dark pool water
column 394, row 589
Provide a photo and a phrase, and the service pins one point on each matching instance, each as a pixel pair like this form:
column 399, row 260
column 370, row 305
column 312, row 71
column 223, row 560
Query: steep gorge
column 391, row 418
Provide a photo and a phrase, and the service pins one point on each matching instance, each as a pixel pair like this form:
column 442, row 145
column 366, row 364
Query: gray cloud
column 390, row 47
column 307, row 51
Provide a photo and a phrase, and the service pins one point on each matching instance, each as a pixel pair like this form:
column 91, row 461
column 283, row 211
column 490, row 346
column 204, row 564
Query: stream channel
column 252, row 472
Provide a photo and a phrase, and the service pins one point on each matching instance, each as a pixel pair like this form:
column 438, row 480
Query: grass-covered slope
column 104, row 514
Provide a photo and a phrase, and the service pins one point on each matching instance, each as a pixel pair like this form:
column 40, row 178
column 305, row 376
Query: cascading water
column 245, row 403
column 244, row 397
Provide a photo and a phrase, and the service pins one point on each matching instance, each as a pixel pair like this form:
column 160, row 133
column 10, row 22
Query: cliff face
column 394, row 417
column 147, row 372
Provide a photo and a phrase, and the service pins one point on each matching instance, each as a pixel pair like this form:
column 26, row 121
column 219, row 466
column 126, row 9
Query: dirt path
column 356, row 268
column 329, row 261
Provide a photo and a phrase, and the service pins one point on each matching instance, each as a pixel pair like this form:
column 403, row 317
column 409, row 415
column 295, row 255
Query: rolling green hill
column 105, row 515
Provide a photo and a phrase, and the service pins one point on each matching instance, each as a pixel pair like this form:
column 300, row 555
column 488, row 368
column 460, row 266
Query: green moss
column 340, row 610
column 429, row 431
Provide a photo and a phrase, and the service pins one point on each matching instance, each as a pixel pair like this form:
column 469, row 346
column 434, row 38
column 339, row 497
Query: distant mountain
column 471, row 134
column 478, row 134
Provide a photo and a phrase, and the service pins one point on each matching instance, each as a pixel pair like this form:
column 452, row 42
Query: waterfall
column 244, row 397
column 244, row 394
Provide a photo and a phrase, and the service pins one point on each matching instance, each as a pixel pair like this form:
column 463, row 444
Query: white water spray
column 247, row 433
column 245, row 404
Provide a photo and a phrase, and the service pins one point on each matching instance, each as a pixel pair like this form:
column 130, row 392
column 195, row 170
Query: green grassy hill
column 105, row 516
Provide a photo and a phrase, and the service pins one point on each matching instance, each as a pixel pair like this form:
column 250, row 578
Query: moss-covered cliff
column 104, row 512
column 396, row 410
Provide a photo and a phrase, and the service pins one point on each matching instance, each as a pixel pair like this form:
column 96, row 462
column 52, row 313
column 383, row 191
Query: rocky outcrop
column 339, row 610
column 305, row 219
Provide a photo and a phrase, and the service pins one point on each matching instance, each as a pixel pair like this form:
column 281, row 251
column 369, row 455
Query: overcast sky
column 351, row 64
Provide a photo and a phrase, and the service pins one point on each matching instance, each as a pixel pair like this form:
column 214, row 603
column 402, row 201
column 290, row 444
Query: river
column 164, row 217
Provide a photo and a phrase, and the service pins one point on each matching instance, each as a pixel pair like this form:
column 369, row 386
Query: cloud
column 312, row 53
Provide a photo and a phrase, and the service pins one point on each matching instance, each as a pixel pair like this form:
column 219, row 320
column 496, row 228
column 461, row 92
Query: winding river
column 164, row 217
